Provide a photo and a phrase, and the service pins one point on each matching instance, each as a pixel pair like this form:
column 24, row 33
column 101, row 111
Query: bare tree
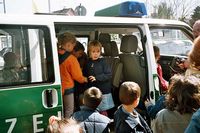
column 180, row 9
column 163, row 11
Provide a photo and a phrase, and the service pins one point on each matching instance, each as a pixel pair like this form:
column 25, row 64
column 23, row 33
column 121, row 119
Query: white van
column 26, row 104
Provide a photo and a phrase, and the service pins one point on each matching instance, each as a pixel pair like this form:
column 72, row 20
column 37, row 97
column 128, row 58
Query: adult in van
column 182, row 101
column 196, row 29
column 12, row 67
column 70, row 71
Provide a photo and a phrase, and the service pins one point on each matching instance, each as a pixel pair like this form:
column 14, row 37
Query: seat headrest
column 104, row 38
column 107, row 49
column 114, row 49
column 129, row 44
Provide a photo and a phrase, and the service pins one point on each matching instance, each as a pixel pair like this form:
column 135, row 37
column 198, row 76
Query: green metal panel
column 25, row 105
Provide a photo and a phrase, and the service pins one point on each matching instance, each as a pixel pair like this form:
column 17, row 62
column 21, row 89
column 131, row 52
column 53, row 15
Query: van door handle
column 50, row 98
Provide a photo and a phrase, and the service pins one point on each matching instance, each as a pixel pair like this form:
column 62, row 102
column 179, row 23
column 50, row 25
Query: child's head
column 94, row 49
column 58, row 125
column 78, row 50
column 194, row 55
column 92, row 97
column 66, row 41
column 184, row 95
column 129, row 93
column 156, row 53
column 173, row 79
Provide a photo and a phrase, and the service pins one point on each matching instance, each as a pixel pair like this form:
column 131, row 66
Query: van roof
column 45, row 19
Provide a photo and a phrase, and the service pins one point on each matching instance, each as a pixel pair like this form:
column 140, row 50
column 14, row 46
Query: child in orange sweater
column 70, row 70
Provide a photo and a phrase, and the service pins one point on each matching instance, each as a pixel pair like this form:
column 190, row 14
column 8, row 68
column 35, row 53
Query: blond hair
column 58, row 125
column 92, row 44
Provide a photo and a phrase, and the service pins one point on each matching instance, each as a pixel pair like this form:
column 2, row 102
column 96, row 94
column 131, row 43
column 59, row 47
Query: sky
column 44, row 6
column 30, row 6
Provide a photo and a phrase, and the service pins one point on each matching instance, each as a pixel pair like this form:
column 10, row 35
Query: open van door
column 29, row 76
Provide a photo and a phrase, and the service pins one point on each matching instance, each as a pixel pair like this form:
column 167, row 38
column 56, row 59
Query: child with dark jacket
column 91, row 120
column 126, row 118
column 99, row 75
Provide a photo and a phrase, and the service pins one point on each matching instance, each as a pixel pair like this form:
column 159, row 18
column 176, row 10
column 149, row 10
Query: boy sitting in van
column 126, row 118
column 91, row 120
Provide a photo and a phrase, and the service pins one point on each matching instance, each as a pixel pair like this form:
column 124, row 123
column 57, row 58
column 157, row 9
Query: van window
column 85, row 33
column 171, row 41
column 84, row 40
column 25, row 55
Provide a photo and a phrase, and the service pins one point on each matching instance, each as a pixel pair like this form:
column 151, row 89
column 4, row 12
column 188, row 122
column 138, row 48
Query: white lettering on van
column 36, row 123
column 12, row 125
column 59, row 114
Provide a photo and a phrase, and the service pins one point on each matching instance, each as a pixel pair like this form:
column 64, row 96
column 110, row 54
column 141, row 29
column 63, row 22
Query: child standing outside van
column 126, row 118
column 91, row 120
column 70, row 70
column 99, row 75
column 62, row 125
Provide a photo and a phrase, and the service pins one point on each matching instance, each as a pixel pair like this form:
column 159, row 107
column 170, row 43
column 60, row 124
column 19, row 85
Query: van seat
column 133, row 68
column 111, row 54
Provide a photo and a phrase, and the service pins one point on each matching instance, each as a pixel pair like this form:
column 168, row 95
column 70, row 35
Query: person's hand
column 92, row 78
column 184, row 64
column 181, row 65
column 86, row 80
column 147, row 102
